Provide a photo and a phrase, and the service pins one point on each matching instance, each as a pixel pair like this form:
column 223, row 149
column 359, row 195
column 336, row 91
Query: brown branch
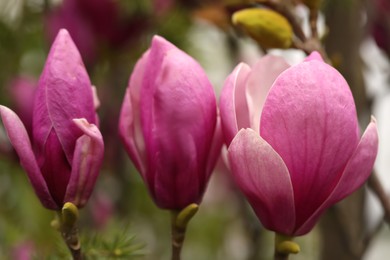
column 376, row 186
column 178, row 235
column 313, row 19
column 279, row 256
column 366, row 242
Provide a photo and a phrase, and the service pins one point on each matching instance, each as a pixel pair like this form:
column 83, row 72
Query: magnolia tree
column 285, row 137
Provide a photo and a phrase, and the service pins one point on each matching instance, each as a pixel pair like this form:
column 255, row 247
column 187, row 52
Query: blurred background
column 111, row 35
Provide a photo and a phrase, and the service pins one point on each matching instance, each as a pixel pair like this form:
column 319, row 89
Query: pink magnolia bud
column 294, row 140
column 168, row 125
column 65, row 154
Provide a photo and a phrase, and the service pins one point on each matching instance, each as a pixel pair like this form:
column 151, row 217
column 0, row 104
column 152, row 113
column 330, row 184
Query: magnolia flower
column 294, row 140
column 64, row 156
column 168, row 124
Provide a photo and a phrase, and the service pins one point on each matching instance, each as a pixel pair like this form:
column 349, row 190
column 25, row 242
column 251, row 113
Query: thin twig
column 71, row 239
column 313, row 19
column 178, row 235
column 279, row 256
column 369, row 237
column 376, row 186
column 180, row 221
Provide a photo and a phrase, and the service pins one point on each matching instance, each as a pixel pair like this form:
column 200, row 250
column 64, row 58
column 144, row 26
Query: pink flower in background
column 380, row 24
column 21, row 90
column 69, row 16
column 23, row 251
column 162, row 6
column 102, row 209
column 95, row 23
column 298, row 151
column 168, row 124
column 65, row 154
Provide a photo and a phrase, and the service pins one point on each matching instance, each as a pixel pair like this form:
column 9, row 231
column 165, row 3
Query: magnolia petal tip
column 89, row 129
column 62, row 35
column 5, row 109
column 158, row 40
column 315, row 55
column 96, row 101
column 162, row 44
column 63, row 31
column 81, row 121
column 373, row 119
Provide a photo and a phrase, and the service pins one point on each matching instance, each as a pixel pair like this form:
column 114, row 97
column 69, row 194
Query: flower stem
column 178, row 235
column 66, row 224
column 180, row 221
column 284, row 246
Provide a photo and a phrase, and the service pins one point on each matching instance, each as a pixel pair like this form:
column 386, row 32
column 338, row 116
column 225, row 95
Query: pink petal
column 55, row 168
column 64, row 92
column 215, row 149
column 96, row 104
column 309, row 118
column 178, row 116
column 356, row 172
column 86, row 165
column 96, row 101
column 20, row 141
column 233, row 106
column 264, row 179
column 130, row 122
column 260, row 80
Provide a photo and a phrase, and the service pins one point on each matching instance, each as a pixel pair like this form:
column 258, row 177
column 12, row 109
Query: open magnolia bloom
column 63, row 158
column 295, row 147
column 168, row 124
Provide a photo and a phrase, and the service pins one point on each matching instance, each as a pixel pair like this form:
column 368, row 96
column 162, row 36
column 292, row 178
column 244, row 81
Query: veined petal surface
column 130, row 119
column 20, row 141
column 87, row 161
column 178, row 118
column 264, row 179
column 64, row 92
column 355, row 174
column 233, row 104
column 258, row 84
column 309, row 118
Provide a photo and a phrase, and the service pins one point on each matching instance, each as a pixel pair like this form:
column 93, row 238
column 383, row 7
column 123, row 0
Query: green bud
column 186, row 215
column 269, row 28
column 70, row 214
column 285, row 245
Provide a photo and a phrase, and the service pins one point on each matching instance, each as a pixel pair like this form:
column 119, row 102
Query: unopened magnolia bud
column 267, row 27
column 312, row 4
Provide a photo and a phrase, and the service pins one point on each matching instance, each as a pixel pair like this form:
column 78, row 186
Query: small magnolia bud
column 284, row 245
column 70, row 214
column 312, row 4
column 267, row 27
column 185, row 215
